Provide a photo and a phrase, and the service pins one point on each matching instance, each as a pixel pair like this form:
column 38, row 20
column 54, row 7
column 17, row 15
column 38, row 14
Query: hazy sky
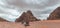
column 12, row 9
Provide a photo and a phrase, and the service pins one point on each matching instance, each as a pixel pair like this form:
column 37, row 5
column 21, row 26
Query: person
column 26, row 23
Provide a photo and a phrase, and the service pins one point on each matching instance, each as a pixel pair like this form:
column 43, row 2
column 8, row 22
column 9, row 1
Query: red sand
column 10, row 25
column 37, row 24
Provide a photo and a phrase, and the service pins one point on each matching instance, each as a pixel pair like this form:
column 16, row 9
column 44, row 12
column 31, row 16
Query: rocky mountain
column 55, row 15
column 3, row 20
column 26, row 17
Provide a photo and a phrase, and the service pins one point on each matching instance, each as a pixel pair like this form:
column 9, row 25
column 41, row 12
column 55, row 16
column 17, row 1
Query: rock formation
column 3, row 20
column 55, row 15
column 26, row 17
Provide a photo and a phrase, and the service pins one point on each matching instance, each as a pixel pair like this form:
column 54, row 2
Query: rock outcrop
column 26, row 17
column 55, row 15
column 3, row 20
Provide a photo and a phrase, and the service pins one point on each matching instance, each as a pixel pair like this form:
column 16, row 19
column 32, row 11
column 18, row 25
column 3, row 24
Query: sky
column 41, row 9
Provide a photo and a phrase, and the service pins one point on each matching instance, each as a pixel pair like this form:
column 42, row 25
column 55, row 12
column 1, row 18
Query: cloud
column 12, row 9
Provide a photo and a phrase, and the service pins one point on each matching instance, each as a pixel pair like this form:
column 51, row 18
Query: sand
column 37, row 24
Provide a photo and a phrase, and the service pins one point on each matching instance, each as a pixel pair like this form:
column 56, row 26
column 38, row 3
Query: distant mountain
column 3, row 20
column 26, row 17
column 55, row 15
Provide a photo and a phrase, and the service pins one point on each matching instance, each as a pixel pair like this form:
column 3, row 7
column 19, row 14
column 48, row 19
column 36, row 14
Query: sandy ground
column 10, row 25
column 45, row 24
column 37, row 24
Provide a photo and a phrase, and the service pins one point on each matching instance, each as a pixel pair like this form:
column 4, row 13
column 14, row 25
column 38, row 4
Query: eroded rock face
column 3, row 20
column 55, row 15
